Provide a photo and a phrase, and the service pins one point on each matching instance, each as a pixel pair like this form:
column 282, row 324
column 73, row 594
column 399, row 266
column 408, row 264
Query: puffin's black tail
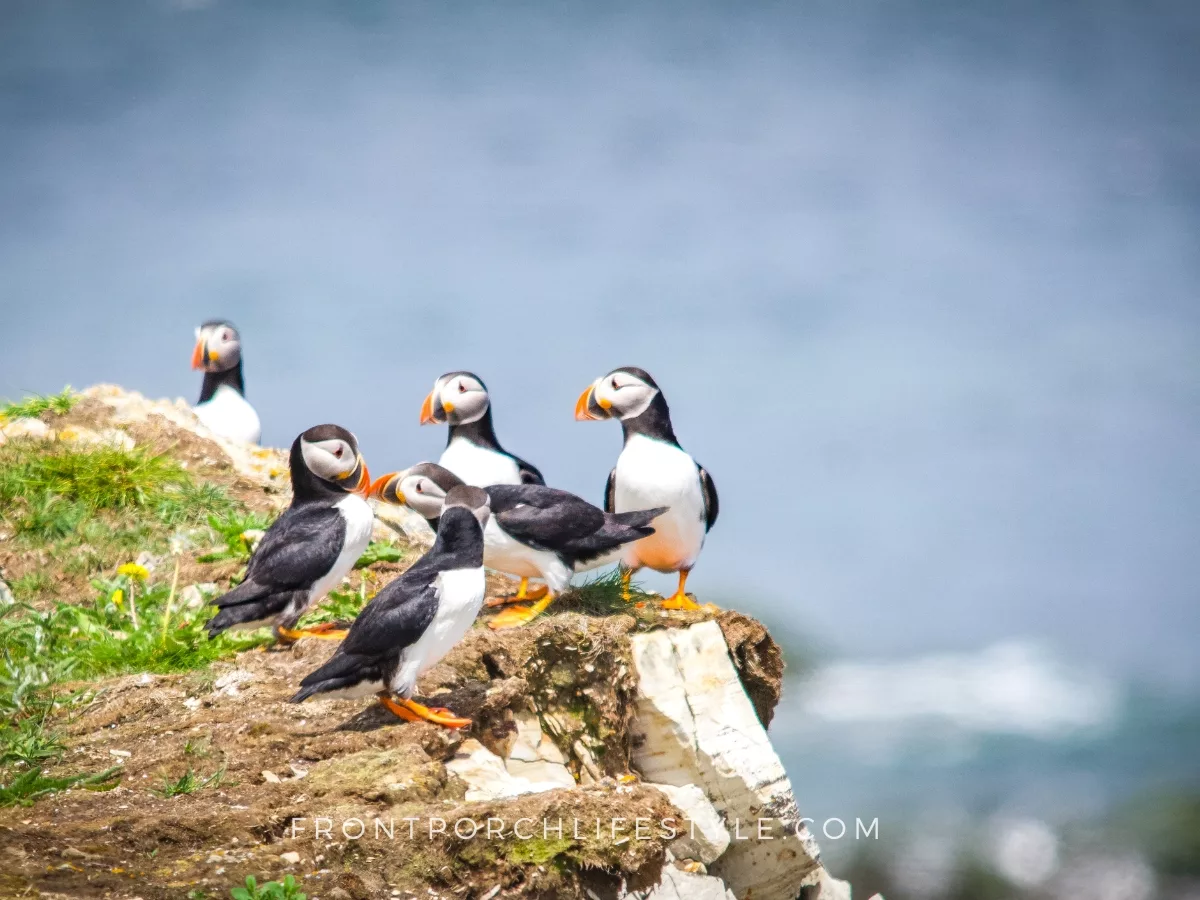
column 618, row 529
column 637, row 521
column 342, row 670
column 248, row 602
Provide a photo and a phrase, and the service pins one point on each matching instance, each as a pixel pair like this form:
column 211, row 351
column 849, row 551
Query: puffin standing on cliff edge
column 222, row 406
column 415, row 620
column 653, row 470
column 473, row 452
column 312, row 546
column 534, row 530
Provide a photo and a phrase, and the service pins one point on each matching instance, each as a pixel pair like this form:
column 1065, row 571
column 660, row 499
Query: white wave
column 1014, row 687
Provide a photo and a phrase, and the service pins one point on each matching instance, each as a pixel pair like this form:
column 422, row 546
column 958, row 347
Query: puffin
column 533, row 531
column 473, row 452
column 653, row 470
column 312, row 546
column 415, row 620
column 222, row 406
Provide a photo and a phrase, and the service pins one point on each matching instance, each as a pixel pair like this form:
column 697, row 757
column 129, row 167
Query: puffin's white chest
column 230, row 415
column 459, row 599
column 360, row 522
column 653, row 473
column 479, row 466
column 505, row 554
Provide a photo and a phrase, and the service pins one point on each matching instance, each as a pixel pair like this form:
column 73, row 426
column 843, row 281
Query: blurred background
column 920, row 281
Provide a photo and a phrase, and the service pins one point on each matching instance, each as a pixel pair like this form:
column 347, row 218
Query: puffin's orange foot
column 412, row 711
column 537, row 592
column 326, row 631
column 681, row 602
column 516, row 616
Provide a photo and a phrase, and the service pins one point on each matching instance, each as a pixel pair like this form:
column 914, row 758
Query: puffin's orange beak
column 582, row 412
column 376, row 490
column 427, row 409
column 364, row 480
column 198, row 355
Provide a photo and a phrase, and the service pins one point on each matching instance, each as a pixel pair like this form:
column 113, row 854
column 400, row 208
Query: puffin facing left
column 222, row 406
column 415, row 620
column 312, row 546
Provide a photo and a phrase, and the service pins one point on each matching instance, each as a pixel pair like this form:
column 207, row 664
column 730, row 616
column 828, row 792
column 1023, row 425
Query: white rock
column 25, row 427
column 534, row 756
column 695, row 725
column 264, row 465
column 6, row 594
column 228, row 684
column 488, row 779
column 679, row 885
column 290, row 857
column 702, row 835
column 195, row 596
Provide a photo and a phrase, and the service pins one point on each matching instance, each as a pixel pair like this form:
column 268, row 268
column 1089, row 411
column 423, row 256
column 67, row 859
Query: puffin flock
column 488, row 508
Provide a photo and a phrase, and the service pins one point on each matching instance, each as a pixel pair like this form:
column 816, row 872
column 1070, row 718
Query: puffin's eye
column 614, row 384
column 338, row 452
column 462, row 388
column 227, row 336
column 420, row 490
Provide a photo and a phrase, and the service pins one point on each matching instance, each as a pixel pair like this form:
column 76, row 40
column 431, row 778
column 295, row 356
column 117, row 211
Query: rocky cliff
column 618, row 752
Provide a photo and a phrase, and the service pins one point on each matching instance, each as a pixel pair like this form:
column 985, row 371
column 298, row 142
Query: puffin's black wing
column 542, row 517
column 296, row 551
column 397, row 617
column 610, row 492
column 711, row 506
column 299, row 548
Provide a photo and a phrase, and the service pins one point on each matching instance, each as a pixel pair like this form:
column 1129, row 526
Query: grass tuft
column 288, row 889
column 33, row 406
column 189, row 782
column 92, row 478
column 601, row 595
column 29, row 786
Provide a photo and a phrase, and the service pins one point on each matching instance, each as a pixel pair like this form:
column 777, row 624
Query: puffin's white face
column 456, row 399
column 333, row 459
column 218, row 347
column 620, row 395
column 420, row 494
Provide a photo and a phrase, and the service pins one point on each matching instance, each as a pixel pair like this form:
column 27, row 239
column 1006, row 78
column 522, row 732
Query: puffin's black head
column 457, row 398
column 422, row 488
column 623, row 393
column 473, row 499
column 218, row 347
column 325, row 459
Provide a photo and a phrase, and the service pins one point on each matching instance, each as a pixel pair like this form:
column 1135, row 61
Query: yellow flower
column 118, row 597
column 133, row 570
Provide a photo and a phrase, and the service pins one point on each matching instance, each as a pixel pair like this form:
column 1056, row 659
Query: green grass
column 288, row 889
column 601, row 595
column 189, row 782
column 33, row 406
column 92, row 477
column 378, row 551
column 32, row 785
column 338, row 606
column 235, row 529
column 90, row 509
column 43, row 649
